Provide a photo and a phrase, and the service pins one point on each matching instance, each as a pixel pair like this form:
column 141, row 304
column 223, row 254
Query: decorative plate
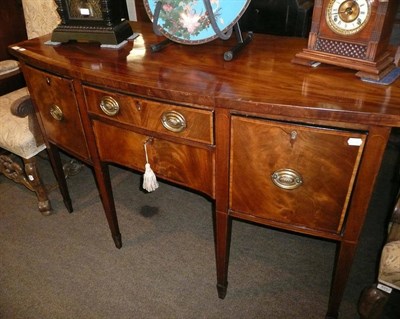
column 187, row 21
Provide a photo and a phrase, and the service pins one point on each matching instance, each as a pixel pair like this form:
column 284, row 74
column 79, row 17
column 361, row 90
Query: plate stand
column 241, row 42
column 228, row 55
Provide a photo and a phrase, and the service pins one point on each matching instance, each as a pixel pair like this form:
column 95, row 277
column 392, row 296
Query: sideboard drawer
column 293, row 174
column 186, row 122
column 183, row 164
column 58, row 109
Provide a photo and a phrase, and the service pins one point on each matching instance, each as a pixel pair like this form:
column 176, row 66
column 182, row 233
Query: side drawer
column 186, row 165
column 58, row 109
column 189, row 123
column 299, row 175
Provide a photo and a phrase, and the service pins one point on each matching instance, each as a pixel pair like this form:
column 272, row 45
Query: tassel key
column 150, row 183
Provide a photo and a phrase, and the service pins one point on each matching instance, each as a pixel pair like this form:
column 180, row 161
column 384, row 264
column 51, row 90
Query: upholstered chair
column 374, row 298
column 20, row 135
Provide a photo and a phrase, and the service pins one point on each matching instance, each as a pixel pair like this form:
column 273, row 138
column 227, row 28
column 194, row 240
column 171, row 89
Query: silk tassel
column 150, row 183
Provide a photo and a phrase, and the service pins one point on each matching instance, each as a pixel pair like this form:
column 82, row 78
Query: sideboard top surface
column 261, row 79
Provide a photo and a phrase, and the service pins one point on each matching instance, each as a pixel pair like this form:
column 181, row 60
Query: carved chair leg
column 37, row 185
column 29, row 178
column 372, row 303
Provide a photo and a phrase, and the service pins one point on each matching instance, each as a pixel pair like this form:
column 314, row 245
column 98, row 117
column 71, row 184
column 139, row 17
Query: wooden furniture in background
column 279, row 17
column 12, row 30
column 280, row 144
column 21, row 139
column 141, row 14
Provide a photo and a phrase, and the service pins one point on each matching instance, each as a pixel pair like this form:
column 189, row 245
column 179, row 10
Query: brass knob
column 287, row 178
column 56, row 112
column 109, row 105
column 173, row 121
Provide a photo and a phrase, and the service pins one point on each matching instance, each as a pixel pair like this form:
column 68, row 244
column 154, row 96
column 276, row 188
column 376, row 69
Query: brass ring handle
column 109, row 105
column 287, row 178
column 56, row 112
column 173, row 121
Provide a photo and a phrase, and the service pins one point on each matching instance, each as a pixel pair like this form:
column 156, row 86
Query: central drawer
column 180, row 163
column 292, row 174
column 178, row 121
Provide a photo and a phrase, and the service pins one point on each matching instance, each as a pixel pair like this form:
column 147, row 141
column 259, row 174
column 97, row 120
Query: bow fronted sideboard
column 268, row 141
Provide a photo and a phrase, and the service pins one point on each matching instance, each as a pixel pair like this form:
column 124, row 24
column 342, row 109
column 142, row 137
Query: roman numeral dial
column 347, row 17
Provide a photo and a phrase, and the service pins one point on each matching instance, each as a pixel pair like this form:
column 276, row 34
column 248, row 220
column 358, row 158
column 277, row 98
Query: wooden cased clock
column 92, row 20
column 353, row 34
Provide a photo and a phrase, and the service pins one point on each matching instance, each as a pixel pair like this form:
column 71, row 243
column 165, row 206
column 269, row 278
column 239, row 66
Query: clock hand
column 349, row 10
column 352, row 5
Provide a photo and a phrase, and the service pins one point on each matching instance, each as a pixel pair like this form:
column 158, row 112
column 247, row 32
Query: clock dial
column 347, row 17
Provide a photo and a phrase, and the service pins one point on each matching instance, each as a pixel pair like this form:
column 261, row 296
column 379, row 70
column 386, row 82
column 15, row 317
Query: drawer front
column 186, row 165
column 293, row 174
column 54, row 96
column 189, row 123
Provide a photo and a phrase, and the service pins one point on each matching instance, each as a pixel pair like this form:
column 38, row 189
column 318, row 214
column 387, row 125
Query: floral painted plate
column 187, row 21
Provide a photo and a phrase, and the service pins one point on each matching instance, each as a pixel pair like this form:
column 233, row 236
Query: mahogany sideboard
column 269, row 141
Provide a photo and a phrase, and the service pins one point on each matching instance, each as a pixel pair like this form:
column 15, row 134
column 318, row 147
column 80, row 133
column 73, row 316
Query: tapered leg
column 57, row 166
column 107, row 199
column 223, row 225
column 344, row 259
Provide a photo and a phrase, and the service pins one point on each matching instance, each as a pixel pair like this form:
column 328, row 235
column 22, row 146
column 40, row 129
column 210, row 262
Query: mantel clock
column 91, row 20
column 353, row 34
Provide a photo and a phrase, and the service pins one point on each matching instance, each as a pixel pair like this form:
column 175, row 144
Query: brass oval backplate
column 56, row 112
column 173, row 121
column 109, row 105
column 287, row 178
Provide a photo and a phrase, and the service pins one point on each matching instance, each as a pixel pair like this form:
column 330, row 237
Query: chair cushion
column 389, row 269
column 8, row 68
column 15, row 135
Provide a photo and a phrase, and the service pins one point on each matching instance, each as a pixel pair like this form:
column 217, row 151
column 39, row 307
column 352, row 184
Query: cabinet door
column 297, row 175
column 55, row 99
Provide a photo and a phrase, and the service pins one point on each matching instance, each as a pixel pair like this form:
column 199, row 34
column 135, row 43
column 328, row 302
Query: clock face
column 347, row 17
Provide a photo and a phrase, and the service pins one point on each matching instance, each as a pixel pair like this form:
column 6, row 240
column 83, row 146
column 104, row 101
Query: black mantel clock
column 91, row 20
